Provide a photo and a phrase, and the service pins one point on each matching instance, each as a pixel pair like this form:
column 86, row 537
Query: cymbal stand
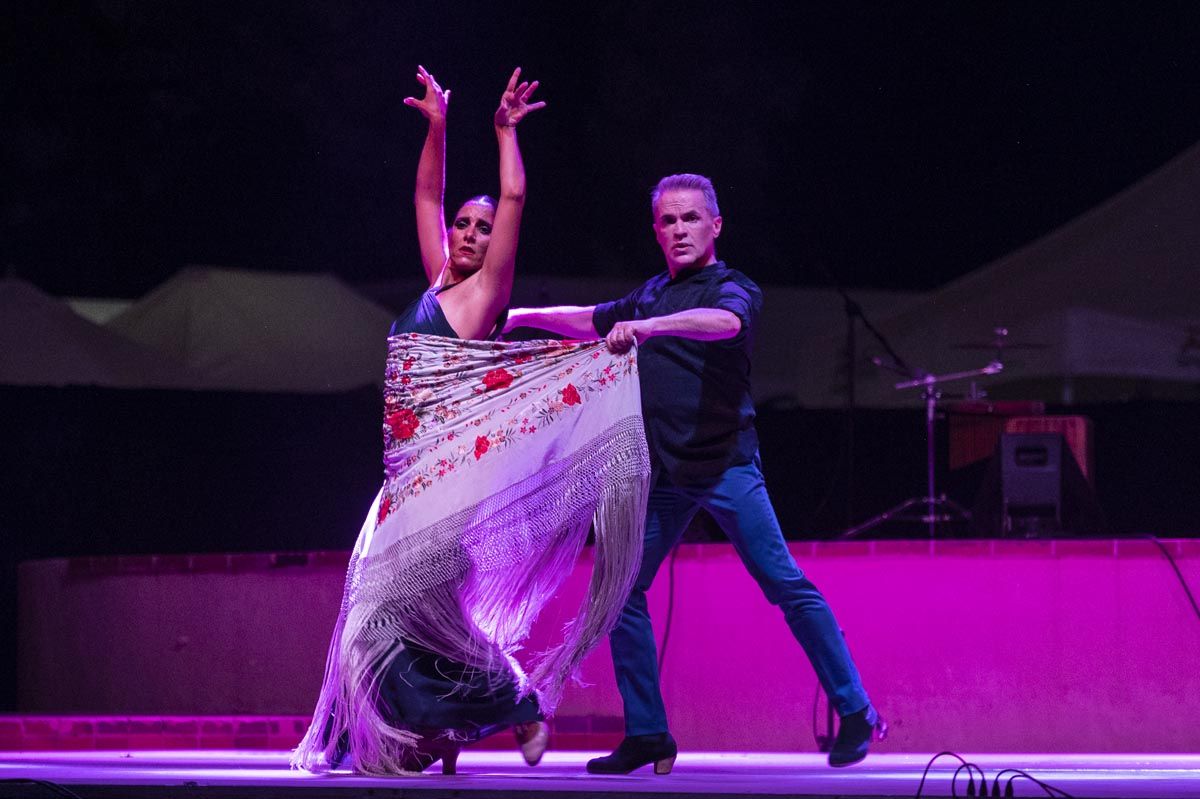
column 932, row 501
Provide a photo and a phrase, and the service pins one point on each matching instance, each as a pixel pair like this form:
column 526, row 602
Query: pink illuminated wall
column 974, row 646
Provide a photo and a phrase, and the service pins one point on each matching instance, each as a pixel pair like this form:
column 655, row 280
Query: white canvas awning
column 259, row 331
column 45, row 343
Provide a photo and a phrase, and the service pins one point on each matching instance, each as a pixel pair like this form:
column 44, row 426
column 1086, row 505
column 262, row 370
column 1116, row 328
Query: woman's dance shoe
column 430, row 751
column 636, row 751
column 855, row 734
column 449, row 757
column 532, row 737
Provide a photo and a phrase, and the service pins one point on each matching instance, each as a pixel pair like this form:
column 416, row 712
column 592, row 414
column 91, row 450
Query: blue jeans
column 738, row 502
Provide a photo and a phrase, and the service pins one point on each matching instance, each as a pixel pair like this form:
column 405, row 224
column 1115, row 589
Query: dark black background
column 897, row 144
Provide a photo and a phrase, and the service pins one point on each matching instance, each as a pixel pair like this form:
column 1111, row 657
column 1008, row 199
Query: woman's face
column 470, row 233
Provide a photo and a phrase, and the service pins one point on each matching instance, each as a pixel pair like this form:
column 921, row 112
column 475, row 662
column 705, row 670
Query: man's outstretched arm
column 700, row 324
column 574, row 321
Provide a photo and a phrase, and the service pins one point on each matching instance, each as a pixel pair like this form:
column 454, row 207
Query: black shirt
column 695, row 394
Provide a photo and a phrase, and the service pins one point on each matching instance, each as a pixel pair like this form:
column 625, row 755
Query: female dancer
column 482, row 241
column 431, row 703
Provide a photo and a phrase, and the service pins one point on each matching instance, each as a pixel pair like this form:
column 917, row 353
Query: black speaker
column 1034, row 489
column 1031, row 484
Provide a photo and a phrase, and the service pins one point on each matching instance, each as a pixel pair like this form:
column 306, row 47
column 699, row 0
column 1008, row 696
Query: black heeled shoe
column 449, row 758
column 430, row 751
column 636, row 751
column 855, row 733
column 423, row 760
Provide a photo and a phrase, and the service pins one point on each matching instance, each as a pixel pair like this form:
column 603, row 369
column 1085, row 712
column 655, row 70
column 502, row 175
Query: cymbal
column 999, row 344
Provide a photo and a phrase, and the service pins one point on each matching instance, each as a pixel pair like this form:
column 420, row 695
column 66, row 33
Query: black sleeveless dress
column 422, row 690
column 425, row 315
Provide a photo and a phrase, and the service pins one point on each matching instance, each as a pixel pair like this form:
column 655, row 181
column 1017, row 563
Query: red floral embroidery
column 403, row 423
column 497, row 378
column 448, row 424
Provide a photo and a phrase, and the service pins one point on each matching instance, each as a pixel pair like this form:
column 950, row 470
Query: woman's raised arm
column 431, row 176
column 498, row 263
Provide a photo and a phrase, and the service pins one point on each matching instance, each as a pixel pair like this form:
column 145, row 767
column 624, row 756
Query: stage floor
column 265, row 774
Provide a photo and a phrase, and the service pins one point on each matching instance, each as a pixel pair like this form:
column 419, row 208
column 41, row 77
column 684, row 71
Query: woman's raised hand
column 514, row 103
column 433, row 104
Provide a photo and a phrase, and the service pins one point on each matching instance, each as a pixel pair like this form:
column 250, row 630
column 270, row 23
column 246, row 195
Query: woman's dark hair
column 481, row 199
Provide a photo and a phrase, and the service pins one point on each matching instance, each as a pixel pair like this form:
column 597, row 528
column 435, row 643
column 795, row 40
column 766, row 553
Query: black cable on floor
column 970, row 768
column 816, row 707
column 1017, row 774
column 929, row 765
column 1178, row 573
column 662, row 650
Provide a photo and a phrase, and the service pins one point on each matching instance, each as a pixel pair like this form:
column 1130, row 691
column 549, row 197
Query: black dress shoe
column 854, row 736
column 636, row 751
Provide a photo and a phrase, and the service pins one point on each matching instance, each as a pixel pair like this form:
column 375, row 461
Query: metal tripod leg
column 931, row 500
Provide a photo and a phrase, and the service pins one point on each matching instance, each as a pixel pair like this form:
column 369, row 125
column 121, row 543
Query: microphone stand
column 854, row 312
column 930, row 394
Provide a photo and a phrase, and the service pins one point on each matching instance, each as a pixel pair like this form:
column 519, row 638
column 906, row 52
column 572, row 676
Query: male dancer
column 693, row 324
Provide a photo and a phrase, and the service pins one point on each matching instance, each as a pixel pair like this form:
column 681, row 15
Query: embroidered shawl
column 498, row 459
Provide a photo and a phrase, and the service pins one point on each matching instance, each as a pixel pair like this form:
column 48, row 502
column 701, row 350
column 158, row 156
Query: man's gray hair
column 686, row 180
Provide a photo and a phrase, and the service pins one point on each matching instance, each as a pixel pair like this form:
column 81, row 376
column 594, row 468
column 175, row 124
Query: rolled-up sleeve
column 743, row 301
column 607, row 314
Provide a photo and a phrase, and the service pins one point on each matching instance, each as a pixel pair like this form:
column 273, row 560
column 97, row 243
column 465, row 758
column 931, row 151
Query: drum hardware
column 934, row 508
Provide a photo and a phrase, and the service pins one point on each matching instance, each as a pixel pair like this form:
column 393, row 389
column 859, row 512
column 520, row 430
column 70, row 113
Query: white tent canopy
column 1112, row 297
column 260, row 331
column 44, row 343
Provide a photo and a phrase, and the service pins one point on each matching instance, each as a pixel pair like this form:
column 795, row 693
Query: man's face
column 686, row 231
